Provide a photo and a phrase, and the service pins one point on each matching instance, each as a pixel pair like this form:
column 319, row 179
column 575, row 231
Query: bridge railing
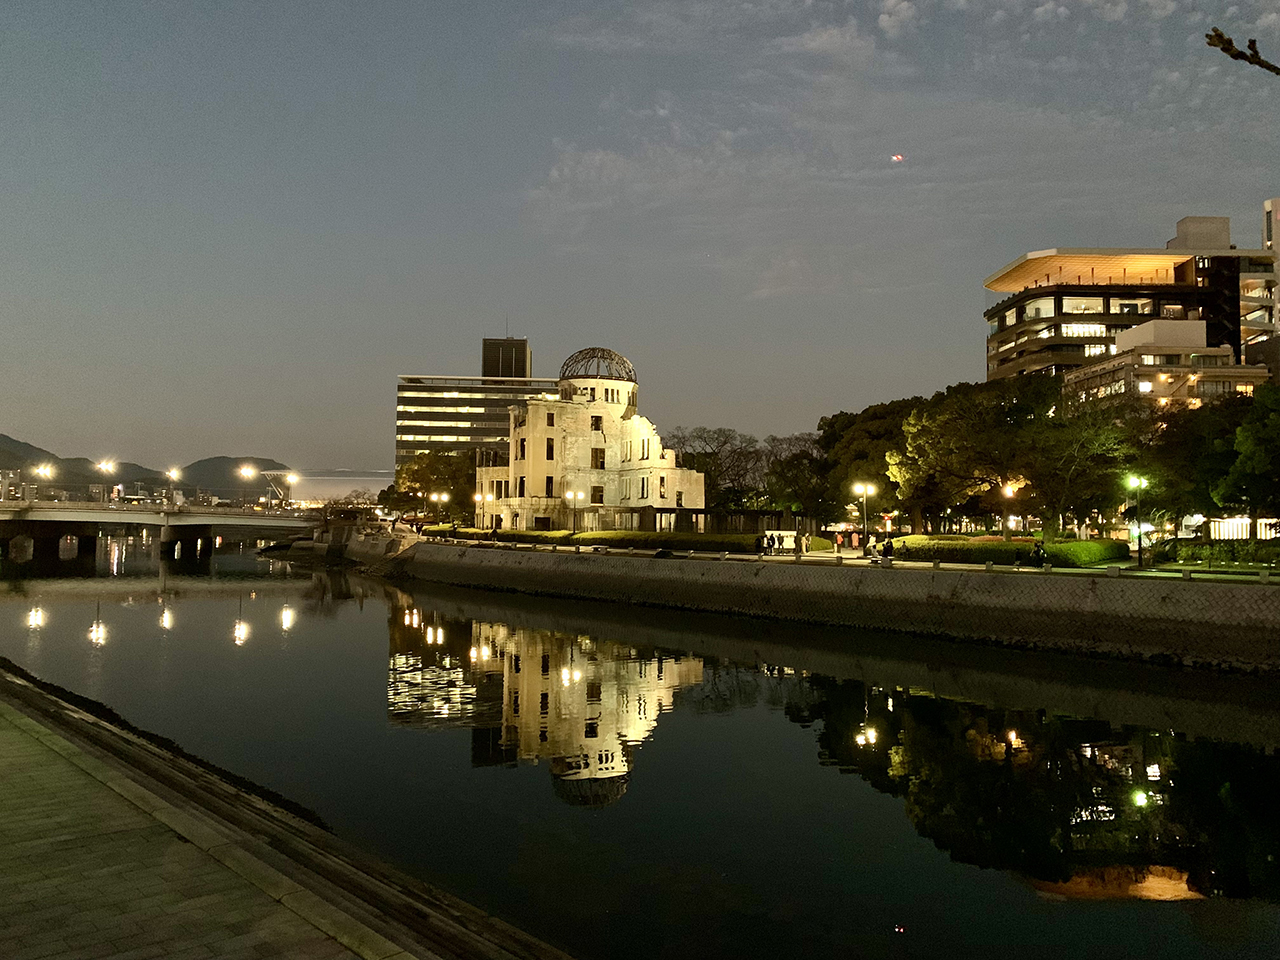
column 25, row 506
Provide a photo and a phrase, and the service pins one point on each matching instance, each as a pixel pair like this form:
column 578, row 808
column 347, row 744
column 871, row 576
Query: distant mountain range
column 217, row 475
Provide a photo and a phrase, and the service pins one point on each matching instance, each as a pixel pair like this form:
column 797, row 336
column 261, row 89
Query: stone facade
column 586, row 459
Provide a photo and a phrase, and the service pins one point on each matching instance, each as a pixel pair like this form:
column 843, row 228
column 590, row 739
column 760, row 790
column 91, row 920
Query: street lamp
column 480, row 499
column 173, row 473
column 1138, row 484
column 574, row 497
column 864, row 490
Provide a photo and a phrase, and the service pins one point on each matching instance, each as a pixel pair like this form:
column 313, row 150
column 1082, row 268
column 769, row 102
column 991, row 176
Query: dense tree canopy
column 428, row 473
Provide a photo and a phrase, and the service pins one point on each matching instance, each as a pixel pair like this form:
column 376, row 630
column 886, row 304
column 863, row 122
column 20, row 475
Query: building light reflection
column 287, row 618
column 35, row 618
column 98, row 633
column 166, row 619
column 240, row 632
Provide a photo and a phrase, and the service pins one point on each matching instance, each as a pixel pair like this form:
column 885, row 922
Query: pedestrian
column 808, row 542
column 1038, row 556
column 887, row 552
column 797, row 544
column 839, row 542
column 759, row 545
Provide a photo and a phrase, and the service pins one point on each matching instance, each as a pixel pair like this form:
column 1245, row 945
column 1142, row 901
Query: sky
column 228, row 227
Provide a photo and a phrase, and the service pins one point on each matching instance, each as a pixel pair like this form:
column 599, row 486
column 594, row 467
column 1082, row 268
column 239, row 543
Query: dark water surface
column 633, row 784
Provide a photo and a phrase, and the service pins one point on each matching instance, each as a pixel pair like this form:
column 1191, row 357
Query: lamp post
column 574, row 497
column 106, row 468
column 864, row 490
column 247, row 473
column 479, row 499
column 1138, row 484
column 173, row 473
column 439, row 499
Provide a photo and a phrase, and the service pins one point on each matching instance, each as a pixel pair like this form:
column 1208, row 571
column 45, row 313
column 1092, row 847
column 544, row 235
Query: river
column 634, row 784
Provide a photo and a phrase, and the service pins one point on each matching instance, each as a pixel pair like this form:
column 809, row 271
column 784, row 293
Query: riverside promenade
column 1202, row 622
column 110, row 847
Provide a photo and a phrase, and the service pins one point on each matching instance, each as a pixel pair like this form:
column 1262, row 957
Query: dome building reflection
column 533, row 696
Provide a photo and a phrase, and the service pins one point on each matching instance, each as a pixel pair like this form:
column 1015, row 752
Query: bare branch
column 1216, row 38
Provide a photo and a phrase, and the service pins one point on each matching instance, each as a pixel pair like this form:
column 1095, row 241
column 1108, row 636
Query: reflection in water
column 1080, row 808
column 579, row 704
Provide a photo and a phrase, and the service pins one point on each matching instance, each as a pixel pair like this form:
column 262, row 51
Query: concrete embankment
column 1193, row 623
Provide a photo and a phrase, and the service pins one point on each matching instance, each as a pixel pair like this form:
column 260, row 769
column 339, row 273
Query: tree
column 796, row 475
column 435, row 472
column 731, row 464
column 1216, row 38
column 973, row 440
column 1253, row 482
column 1191, row 453
column 1075, row 459
column 856, row 446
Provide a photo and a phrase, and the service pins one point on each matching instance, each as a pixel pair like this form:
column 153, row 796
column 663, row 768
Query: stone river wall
column 1202, row 623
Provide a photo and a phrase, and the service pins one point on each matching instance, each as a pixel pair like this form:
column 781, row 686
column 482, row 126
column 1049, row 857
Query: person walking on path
column 839, row 542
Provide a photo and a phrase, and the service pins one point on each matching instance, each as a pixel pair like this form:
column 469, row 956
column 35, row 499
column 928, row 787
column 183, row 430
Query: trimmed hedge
column 641, row 539
column 1228, row 551
column 1075, row 553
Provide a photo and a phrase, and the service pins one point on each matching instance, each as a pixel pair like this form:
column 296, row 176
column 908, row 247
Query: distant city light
column 1139, row 798
column 106, row 466
column 247, row 471
column 173, row 473
column 897, row 158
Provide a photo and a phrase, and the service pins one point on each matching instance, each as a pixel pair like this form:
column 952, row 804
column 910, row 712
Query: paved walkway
column 89, row 868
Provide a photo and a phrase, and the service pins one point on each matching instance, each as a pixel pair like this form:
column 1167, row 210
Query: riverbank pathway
column 94, row 866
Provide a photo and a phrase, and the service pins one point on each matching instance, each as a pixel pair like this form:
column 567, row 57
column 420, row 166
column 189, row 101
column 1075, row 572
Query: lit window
column 1144, row 386
column 1083, row 330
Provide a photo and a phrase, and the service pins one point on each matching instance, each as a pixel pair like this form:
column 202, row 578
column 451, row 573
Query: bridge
column 35, row 530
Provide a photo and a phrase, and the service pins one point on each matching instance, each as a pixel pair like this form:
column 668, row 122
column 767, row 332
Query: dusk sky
column 228, row 227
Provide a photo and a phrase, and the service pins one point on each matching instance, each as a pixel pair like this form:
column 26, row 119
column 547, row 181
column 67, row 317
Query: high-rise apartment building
column 447, row 414
column 1066, row 306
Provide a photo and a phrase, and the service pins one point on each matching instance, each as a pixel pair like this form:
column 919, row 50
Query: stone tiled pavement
column 87, row 874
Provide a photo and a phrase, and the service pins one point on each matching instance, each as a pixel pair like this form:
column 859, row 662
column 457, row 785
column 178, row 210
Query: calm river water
column 637, row 784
